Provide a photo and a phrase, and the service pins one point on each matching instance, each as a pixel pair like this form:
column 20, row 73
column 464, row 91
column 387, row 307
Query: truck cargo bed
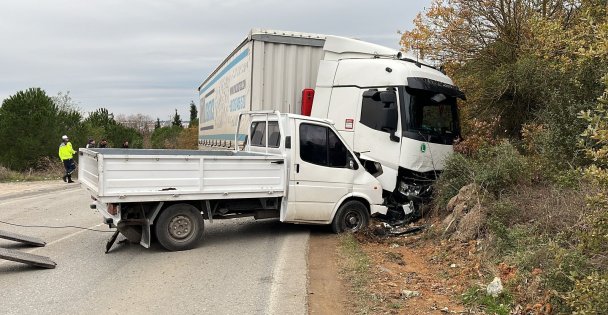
column 133, row 175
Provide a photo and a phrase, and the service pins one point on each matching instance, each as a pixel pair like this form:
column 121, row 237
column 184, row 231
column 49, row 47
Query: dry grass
column 45, row 169
column 551, row 209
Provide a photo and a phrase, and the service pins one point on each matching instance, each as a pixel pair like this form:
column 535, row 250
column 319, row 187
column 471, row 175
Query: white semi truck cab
column 399, row 115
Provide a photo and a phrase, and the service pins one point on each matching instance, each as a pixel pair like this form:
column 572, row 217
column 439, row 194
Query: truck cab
column 323, row 172
column 399, row 115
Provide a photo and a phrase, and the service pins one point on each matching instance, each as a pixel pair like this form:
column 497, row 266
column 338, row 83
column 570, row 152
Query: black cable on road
column 55, row 227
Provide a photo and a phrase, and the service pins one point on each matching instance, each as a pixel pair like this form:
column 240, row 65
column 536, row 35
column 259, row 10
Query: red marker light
column 308, row 96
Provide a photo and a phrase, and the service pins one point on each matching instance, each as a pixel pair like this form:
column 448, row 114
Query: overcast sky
column 150, row 56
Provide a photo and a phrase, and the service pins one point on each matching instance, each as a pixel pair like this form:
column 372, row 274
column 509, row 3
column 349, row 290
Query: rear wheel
column 352, row 216
column 179, row 227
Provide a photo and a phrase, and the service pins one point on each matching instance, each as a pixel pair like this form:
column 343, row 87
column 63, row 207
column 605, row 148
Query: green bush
column 494, row 168
column 31, row 126
column 100, row 125
column 166, row 137
column 590, row 295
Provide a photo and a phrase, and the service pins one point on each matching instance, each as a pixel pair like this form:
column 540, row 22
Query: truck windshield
column 433, row 114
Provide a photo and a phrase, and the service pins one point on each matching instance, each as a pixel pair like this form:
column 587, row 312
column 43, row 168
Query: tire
column 352, row 216
column 179, row 227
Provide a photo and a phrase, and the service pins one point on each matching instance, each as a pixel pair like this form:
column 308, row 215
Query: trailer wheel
column 352, row 216
column 179, row 227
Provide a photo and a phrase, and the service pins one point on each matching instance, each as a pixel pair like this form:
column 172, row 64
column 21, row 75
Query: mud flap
column 111, row 241
column 146, row 232
column 33, row 241
column 27, row 258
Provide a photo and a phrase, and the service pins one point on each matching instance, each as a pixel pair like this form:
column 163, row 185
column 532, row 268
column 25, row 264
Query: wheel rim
column 352, row 220
column 180, row 227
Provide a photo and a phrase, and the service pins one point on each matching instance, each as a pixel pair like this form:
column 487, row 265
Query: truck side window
column 274, row 135
column 258, row 134
column 321, row 146
column 336, row 150
column 379, row 110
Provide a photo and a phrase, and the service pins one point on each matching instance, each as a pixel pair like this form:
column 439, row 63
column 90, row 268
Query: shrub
column 494, row 168
column 590, row 295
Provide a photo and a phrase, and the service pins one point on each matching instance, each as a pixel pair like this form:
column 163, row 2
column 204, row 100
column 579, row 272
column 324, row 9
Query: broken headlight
column 409, row 190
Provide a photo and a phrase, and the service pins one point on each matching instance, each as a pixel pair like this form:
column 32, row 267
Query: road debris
column 495, row 287
column 16, row 237
column 25, row 258
column 406, row 294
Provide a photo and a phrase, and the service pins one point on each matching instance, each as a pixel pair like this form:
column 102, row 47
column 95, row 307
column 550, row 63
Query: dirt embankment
column 365, row 274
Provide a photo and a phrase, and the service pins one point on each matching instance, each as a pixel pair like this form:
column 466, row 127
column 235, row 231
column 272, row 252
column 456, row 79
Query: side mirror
column 389, row 122
column 389, row 119
column 352, row 164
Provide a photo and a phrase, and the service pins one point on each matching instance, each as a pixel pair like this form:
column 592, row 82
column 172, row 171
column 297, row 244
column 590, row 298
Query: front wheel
column 352, row 216
column 179, row 227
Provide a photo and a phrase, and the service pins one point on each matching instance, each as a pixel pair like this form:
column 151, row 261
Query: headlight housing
column 409, row 190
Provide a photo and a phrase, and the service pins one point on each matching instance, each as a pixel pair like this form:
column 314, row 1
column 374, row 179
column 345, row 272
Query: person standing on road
column 103, row 143
column 125, row 144
column 66, row 153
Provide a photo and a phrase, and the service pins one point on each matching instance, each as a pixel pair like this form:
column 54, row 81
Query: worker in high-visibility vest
column 66, row 153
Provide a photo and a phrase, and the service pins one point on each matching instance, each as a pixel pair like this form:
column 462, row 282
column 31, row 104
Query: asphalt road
column 241, row 267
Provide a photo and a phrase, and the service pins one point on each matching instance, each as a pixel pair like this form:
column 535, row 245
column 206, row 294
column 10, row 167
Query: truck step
column 27, row 258
column 29, row 240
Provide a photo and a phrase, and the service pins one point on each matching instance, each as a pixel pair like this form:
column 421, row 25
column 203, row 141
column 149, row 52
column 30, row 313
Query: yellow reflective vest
column 65, row 151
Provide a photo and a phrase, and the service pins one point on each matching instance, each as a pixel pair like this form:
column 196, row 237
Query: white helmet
column 64, row 137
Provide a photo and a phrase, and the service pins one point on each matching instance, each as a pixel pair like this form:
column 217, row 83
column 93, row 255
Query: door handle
column 297, row 168
column 278, row 162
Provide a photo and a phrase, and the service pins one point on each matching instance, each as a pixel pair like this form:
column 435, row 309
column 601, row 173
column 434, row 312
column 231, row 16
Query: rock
column 470, row 224
column 459, row 209
column 394, row 245
column 448, row 219
column 453, row 266
column 406, row 294
column 452, row 203
column 445, row 310
column 495, row 287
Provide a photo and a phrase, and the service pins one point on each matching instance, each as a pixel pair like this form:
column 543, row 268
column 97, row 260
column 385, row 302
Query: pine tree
column 31, row 126
column 193, row 115
column 157, row 125
column 177, row 120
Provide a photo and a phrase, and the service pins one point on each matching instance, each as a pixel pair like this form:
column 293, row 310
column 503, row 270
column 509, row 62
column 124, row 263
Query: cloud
column 150, row 56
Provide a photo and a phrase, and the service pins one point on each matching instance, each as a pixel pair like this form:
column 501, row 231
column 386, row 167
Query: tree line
column 32, row 123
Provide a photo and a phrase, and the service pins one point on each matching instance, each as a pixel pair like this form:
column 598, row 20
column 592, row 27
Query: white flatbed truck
column 301, row 171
